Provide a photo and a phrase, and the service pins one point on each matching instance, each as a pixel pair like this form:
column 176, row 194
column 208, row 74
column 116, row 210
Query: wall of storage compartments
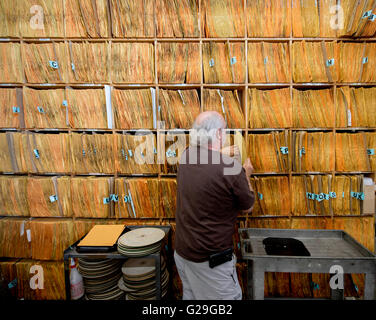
column 73, row 94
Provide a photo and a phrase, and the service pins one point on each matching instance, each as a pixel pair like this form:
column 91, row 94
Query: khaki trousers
column 200, row 282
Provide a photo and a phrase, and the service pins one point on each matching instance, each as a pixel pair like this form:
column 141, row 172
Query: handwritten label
column 367, row 14
column 357, row 195
column 332, row 195
column 329, row 62
column 53, row 64
column 36, row 153
column 171, row 153
column 53, row 198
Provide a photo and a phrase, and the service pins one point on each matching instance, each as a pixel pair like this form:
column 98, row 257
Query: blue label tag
column 211, row 62
column 311, row 196
column 329, row 62
column 284, row 150
column 365, row 60
column 73, row 67
column 367, row 14
column 343, row 194
column 357, row 195
column 106, row 200
column 36, row 153
column 322, row 196
column 130, row 153
column 260, row 195
column 233, row 60
column 83, row 152
column 315, row 286
column 301, row 151
column 16, row 110
column 53, row 64
column 371, row 152
column 12, row 284
column 170, row 153
column 53, row 198
column 40, row 109
column 65, row 103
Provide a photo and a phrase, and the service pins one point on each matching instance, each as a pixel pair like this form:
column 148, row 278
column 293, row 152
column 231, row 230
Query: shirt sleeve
column 244, row 197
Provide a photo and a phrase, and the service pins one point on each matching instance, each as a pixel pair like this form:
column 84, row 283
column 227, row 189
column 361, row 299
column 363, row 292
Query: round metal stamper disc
column 141, row 237
column 138, row 267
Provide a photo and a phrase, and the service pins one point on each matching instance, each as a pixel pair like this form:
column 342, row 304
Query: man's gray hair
column 204, row 130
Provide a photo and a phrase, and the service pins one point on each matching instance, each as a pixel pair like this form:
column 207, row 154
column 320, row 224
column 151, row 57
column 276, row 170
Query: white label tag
column 28, row 234
column 22, row 229
column 107, row 91
column 181, row 96
column 348, row 117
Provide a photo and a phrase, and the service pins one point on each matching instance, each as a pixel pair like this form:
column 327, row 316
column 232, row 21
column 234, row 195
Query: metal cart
column 71, row 252
column 327, row 248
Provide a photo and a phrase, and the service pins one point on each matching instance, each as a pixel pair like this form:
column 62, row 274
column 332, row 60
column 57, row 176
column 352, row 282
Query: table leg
column 369, row 286
column 249, row 280
column 67, row 280
column 258, row 283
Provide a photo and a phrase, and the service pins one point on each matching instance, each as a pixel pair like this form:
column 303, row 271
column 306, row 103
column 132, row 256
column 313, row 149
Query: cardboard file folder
column 102, row 236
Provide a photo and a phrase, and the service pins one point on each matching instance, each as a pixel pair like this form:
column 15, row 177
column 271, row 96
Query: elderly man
column 212, row 189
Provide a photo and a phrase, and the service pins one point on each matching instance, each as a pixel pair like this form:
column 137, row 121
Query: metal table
column 71, row 252
column 327, row 248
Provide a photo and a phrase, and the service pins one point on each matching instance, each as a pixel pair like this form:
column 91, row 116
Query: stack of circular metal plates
column 140, row 242
column 101, row 278
column 139, row 281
